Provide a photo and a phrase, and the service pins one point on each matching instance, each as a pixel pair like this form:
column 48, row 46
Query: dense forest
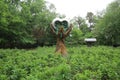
column 26, row 24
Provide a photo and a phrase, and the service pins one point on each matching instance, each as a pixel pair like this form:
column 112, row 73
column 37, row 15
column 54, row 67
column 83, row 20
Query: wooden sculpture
column 61, row 28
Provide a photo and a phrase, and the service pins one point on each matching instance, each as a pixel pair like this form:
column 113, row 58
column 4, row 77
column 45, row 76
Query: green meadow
column 81, row 63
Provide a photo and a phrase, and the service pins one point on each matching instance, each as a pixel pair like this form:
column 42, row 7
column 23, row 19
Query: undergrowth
column 81, row 63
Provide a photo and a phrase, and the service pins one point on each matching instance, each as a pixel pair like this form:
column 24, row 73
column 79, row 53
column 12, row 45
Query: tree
column 76, row 37
column 79, row 20
column 13, row 30
column 19, row 18
column 41, row 24
column 90, row 19
column 107, row 29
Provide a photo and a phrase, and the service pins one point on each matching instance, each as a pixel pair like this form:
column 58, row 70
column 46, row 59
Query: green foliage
column 75, row 37
column 107, row 29
column 26, row 24
column 18, row 20
column 84, row 28
column 82, row 63
column 90, row 17
column 78, row 21
column 79, row 32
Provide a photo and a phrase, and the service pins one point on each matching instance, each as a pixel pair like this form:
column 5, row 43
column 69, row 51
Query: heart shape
column 57, row 23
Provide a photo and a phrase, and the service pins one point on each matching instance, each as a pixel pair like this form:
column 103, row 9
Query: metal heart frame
column 57, row 22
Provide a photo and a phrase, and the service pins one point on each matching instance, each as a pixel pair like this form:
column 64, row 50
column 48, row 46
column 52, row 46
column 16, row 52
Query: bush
column 82, row 63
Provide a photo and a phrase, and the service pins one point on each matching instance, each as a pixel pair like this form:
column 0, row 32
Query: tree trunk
column 60, row 47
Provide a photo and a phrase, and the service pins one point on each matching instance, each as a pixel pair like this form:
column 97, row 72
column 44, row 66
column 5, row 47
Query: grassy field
column 82, row 63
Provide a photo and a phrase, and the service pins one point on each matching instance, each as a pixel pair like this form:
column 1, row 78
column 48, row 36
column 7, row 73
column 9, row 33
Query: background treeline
column 26, row 24
column 23, row 23
column 104, row 26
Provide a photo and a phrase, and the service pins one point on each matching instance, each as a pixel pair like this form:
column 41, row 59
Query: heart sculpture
column 60, row 23
column 61, row 29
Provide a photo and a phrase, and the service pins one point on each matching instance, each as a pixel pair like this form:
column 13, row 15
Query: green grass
column 82, row 63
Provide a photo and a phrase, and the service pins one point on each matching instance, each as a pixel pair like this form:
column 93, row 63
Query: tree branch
column 52, row 29
column 68, row 30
